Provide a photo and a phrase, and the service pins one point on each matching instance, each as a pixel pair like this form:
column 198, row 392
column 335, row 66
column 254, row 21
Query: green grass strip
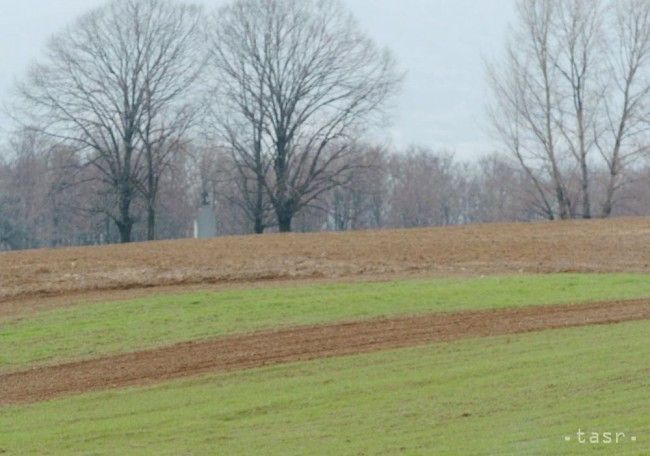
column 96, row 329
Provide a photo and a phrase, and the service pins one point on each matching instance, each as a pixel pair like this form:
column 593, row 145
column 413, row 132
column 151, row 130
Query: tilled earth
column 299, row 344
column 614, row 245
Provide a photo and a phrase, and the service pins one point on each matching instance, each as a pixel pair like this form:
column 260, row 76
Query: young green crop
column 510, row 395
column 94, row 329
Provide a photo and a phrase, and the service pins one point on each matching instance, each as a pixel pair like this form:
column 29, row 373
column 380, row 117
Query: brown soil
column 299, row 344
column 594, row 246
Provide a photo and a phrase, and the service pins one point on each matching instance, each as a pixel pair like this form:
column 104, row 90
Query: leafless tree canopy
column 115, row 85
column 570, row 97
column 298, row 79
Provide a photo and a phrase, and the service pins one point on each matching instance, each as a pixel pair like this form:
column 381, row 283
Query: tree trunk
column 259, row 225
column 107, row 225
column 284, row 220
column 125, row 222
column 151, row 222
column 584, row 168
column 565, row 212
column 586, row 203
column 608, row 205
column 283, row 206
column 259, row 202
column 152, row 191
column 125, row 231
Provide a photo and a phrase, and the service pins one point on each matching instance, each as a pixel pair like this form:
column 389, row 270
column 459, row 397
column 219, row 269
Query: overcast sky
column 439, row 43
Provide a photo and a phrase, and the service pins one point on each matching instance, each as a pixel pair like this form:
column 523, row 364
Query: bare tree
column 499, row 190
column 571, row 97
column 525, row 93
column 423, row 189
column 624, row 137
column 238, row 114
column 110, row 85
column 581, row 45
column 300, row 79
column 38, row 194
column 161, row 146
column 362, row 202
column 171, row 105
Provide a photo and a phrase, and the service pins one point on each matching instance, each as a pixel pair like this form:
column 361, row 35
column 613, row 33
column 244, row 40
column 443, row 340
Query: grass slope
column 505, row 395
column 96, row 329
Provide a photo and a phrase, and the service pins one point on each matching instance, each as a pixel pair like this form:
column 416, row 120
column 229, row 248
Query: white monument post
column 205, row 225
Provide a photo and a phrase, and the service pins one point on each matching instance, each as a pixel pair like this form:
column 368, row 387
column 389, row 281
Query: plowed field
column 615, row 245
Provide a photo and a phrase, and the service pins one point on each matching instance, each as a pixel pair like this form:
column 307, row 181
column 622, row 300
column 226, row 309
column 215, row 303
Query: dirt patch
column 587, row 246
column 299, row 344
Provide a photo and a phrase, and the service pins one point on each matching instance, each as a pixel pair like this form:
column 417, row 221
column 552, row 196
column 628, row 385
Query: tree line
column 140, row 110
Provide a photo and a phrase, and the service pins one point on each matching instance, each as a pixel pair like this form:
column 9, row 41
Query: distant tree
column 570, row 97
column 362, row 202
column 115, row 86
column 525, row 96
column 423, row 188
column 624, row 138
column 298, row 79
column 502, row 192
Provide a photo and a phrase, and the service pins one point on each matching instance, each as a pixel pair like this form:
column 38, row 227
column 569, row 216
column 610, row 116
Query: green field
column 94, row 329
column 516, row 395
column 519, row 394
